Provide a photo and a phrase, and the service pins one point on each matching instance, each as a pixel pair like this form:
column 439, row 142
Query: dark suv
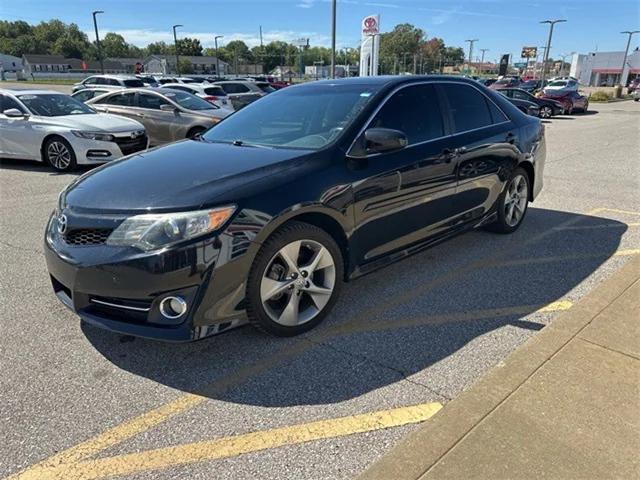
column 265, row 215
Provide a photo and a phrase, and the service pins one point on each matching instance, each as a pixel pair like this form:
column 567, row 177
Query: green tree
column 185, row 66
column 453, row 56
column 401, row 44
column 157, row 48
column 189, row 46
column 114, row 45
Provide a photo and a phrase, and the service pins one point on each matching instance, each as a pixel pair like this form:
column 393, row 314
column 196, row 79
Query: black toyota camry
column 264, row 216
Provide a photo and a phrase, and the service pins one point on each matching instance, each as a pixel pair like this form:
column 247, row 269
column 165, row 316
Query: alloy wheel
column 545, row 112
column 298, row 282
column 59, row 155
column 515, row 200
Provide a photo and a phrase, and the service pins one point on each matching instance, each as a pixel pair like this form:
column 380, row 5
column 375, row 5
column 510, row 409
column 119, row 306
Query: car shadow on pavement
column 438, row 320
column 34, row 166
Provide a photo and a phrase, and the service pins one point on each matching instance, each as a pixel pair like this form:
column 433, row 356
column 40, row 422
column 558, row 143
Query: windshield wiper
column 242, row 143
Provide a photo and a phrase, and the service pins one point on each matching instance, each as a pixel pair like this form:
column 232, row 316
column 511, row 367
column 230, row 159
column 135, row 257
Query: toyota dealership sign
column 371, row 25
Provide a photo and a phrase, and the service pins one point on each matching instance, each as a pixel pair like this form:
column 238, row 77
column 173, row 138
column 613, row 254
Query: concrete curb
column 422, row 449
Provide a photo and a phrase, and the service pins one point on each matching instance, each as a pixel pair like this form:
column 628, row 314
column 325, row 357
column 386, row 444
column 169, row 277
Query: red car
column 633, row 85
column 570, row 100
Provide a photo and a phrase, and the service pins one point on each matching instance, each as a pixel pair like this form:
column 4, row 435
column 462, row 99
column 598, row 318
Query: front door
column 17, row 138
column 405, row 196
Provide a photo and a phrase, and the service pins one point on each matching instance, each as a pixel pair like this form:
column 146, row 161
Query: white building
column 598, row 69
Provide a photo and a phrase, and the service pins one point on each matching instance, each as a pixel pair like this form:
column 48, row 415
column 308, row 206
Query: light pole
column 333, row 39
column 545, row 59
column 471, row 42
column 215, row 41
column 175, row 42
column 626, row 51
column 95, row 25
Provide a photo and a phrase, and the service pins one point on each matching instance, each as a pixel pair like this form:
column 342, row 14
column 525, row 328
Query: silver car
column 167, row 115
column 109, row 82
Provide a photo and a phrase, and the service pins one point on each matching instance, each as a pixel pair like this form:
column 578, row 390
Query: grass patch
column 600, row 96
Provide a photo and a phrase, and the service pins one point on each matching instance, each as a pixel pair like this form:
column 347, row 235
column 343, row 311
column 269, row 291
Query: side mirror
column 382, row 140
column 14, row 113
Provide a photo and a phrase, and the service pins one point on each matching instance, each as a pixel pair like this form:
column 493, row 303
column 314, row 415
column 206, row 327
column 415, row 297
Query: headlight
column 105, row 137
column 152, row 231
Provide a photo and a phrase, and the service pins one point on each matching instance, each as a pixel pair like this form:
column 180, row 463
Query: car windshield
column 137, row 83
column 188, row 101
column 54, row 105
column 308, row 117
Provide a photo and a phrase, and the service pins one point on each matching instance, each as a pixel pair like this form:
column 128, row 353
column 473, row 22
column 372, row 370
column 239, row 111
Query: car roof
column 28, row 91
column 116, row 76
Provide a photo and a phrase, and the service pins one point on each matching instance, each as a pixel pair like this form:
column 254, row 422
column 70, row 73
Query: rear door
column 406, row 195
column 485, row 138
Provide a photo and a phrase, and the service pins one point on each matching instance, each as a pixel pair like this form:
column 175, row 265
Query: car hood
column 184, row 175
column 99, row 122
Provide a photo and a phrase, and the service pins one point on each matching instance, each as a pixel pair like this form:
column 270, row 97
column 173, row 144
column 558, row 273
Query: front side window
column 7, row 103
column 414, row 110
column 468, row 107
column 148, row 100
column 137, row 83
column 84, row 95
column 54, row 105
column 90, row 81
column 304, row 117
column 188, row 101
column 520, row 95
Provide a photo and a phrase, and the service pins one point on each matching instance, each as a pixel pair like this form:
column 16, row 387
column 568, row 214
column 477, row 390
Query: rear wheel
column 295, row 280
column 586, row 107
column 59, row 154
column 512, row 203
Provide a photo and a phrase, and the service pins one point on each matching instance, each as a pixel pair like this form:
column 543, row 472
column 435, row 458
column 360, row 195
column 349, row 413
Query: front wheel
column 59, row 154
column 512, row 203
column 546, row 112
column 295, row 280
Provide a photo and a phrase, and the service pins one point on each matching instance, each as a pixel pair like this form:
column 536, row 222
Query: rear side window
column 149, row 100
column 84, row 95
column 134, row 83
column 413, row 110
column 124, row 99
column 215, row 91
column 469, row 109
column 234, row 88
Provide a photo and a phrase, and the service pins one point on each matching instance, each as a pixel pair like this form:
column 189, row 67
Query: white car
column 211, row 93
column 561, row 86
column 109, row 82
column 52, row 127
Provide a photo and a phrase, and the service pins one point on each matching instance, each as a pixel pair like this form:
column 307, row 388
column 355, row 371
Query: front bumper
column 91, row 152
column 120, row 289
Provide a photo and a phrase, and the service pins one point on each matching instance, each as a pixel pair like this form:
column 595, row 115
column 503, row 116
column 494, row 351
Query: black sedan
column 264, row 216
column 548, row 108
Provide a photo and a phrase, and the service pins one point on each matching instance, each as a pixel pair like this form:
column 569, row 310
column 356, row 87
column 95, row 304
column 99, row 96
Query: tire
column 546, row 111
column 586, row 108
column 285, row 301
column 195, row 131
column 59, row 154
column 505, row 223
column 570, row 111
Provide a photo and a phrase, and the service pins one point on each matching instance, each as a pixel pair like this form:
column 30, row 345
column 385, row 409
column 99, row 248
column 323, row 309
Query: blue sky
column 502, row 26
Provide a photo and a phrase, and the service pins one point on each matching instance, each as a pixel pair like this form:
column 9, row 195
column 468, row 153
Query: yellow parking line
column 602, row 225
column 152, row 418
column 375, row 326
column 561, row 258
column 240, row 444
column 145, row 421
column 615, row 210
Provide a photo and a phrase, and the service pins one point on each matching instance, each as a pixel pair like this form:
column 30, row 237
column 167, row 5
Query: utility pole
column 471, row 42
column 563, row 62
column 333, row 39
column 175, row 42
column 215, row 41
column 483, row 50
column 546, row 51
column 95, row 25
column 626, row 51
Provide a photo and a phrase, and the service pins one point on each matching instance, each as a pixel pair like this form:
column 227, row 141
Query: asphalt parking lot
column 80, row 403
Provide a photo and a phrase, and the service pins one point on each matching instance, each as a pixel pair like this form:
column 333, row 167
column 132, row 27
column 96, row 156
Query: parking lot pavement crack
column 379, row 364
column 22, row 249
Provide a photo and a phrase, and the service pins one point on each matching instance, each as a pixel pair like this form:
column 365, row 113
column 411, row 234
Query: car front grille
column 130, row 145
column 87, row 236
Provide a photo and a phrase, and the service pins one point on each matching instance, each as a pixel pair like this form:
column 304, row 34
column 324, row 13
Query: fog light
column 173, row 307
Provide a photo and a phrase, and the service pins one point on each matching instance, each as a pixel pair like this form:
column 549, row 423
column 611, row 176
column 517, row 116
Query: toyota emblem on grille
column 62, row 224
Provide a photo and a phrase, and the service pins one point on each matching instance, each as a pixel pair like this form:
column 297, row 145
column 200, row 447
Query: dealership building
column 599, row 69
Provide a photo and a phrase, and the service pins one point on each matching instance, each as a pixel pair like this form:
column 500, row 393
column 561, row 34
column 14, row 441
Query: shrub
column 600, row 96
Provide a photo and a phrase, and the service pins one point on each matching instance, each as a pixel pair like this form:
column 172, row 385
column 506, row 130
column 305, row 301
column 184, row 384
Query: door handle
column 450, row 153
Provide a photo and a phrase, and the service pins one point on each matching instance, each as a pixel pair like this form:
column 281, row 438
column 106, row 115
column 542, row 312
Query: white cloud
column 142, row 37
column 305, row 4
